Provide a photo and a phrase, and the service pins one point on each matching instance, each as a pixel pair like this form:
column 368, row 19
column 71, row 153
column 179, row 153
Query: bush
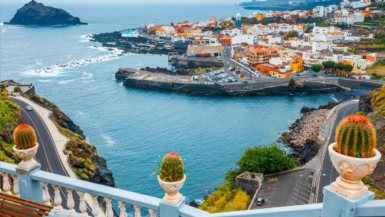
column 316, row 68
column 379, row 35
column 261, row 159
column 225, row 199
column 17, row 89
column 292, row 83
column 366, row 180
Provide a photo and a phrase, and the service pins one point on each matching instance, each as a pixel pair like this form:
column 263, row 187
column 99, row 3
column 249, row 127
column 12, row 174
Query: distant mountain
column 35, row 13
column 281, row 5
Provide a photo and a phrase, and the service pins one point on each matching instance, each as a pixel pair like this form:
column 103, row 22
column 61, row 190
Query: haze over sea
column 132, row 127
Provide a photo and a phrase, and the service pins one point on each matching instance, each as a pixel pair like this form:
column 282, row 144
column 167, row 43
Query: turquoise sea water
column 132, row 127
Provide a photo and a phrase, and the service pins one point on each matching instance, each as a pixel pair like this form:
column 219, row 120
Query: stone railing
column 33, row 184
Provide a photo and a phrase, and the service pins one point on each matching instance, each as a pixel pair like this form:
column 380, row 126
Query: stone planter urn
column 172, row 189
column 27, row 156
column 352, row 170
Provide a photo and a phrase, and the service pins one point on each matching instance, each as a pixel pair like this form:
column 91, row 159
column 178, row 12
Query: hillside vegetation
column 372, row 104
column 10, row 117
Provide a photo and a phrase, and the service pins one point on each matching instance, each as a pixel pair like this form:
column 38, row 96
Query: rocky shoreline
column 302, row 135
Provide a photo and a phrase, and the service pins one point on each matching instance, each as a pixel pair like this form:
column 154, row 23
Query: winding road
column 47, row 154
column 328, row 173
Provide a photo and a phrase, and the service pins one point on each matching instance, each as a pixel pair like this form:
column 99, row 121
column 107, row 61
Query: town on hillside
column 339, row 40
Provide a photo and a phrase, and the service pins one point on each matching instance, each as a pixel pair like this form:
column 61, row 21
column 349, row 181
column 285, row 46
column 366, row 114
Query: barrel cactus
column 356, row 137
column 24, row 137
column 171, row 169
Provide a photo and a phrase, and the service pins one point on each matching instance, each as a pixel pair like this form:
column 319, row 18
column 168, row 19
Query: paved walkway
column 60, row 140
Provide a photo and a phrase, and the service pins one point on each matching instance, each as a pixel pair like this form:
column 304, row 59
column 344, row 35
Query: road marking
column 301, row 192
column 301, row 203
column 303, row 189
column 306, row 200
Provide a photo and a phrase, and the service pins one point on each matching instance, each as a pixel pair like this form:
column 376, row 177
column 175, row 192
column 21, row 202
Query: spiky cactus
column 171, row 168
column 355, row 137
column 24, row 137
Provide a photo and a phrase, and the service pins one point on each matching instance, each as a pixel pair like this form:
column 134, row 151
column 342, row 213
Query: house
column 297, row 65
column 260, row 54
column 249, row 39
column 226, row 41
column 232, row 31
column 266, row 68
column 320, row 46
column 201, row 50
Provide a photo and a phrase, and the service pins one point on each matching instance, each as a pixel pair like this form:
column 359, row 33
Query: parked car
column 29, row 108
column 260, row 201
column 245, row 82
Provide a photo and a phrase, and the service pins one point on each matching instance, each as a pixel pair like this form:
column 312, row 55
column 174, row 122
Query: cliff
column 84, row 158
column 372, row 105
column 35, row 13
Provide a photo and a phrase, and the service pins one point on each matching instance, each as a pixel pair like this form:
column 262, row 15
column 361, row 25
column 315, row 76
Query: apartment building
column 260, row 54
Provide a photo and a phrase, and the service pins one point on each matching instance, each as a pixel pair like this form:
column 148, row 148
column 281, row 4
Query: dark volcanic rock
column 365, row 103
column 35, row 13
column 306, row 109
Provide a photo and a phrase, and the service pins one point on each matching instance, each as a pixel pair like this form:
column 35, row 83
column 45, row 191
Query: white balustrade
column 16, row 189
column 6, row 185
column 70, row 203
column 137, row 211
column 109, row 212
column 122, row 207
column 57, row 201
column 46, row 196
column 95, row 205
column 152, row 212
column 82, row 205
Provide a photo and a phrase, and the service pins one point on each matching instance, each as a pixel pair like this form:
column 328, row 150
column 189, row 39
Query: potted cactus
column 171, row 177
column 354, row 155
column 25, row 145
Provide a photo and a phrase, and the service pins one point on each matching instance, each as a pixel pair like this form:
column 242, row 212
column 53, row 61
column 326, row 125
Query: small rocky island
column 36, row 14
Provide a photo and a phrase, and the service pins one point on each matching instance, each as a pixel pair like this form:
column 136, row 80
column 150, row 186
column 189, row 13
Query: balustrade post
column 137, row 211
column 58, row 201
column 335, row 204
column 95, row 205
column 70, row 203
column 122, row 207
column 109, row 212
column 6, row 185
column 16, row 189
column 171, row 210
column 28, row 188
column 46, row 197
column 82, row 205
column 152, row 212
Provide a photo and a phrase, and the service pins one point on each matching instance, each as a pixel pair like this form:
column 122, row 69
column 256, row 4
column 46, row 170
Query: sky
column 53, row 2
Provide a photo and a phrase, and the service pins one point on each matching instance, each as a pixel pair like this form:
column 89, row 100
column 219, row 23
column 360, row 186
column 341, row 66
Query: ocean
column 133, row 128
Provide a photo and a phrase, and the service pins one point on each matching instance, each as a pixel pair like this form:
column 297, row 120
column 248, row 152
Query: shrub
column 316, row 67
column 292, row 83
column 17, row 89
column 379, row 35
column 171, row 168
column 261, row 159
column 225, row 199
column 366, row 180
column 24, row 137
column 355, row 137
column 329, row 64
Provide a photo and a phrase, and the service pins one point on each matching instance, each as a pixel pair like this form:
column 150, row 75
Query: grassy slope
column 10, row 117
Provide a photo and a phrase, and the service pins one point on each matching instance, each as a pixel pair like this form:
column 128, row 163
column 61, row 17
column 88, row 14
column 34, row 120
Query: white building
column 233, row 31
column 320, row 11
column 320, row 45
column 360, row 4
column 349, row 19
column 249, row 39
column 335, row 58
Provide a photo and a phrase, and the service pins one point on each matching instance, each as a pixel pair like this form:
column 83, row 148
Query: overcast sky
column 53, row 2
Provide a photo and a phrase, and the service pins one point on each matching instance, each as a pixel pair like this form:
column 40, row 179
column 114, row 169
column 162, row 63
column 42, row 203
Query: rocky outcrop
column 302, row 135
column 35, row 13
column 365, row 103
column 169, row 72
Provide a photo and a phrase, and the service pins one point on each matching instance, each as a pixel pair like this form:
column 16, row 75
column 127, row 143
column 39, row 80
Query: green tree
column 292, row 83
column 292, row 34
column 261, row 159
column 348, row 67
column 339, row 66
column 329, row 64
column 376, row 76
column 380, row 34
column 316, row 67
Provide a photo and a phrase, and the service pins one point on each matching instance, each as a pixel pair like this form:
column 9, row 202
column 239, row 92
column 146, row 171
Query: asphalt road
column 286, row 189
column 328, row 173
column 47, row 154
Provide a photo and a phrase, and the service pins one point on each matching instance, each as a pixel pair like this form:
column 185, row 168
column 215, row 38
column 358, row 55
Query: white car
column 29, row 108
